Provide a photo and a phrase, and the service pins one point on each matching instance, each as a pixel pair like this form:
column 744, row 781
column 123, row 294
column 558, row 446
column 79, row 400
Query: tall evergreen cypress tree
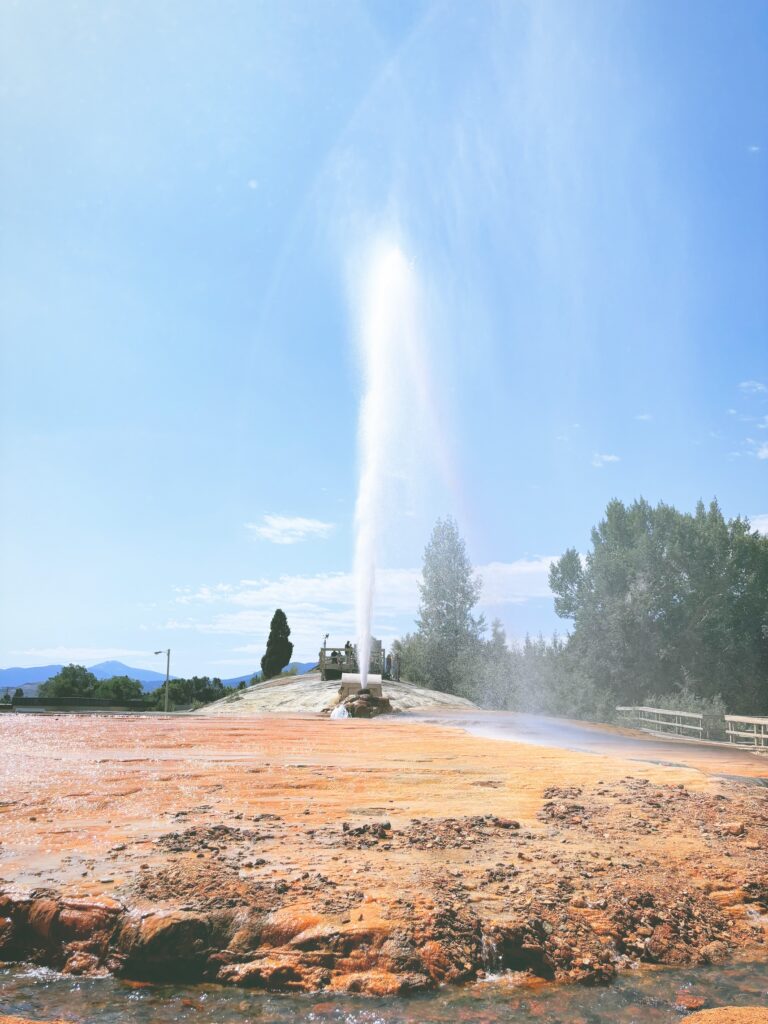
column 279, row 647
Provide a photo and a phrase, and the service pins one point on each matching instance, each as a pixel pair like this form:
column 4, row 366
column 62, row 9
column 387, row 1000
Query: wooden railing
column 664, row 722
column 744, row 730
column 741, row 729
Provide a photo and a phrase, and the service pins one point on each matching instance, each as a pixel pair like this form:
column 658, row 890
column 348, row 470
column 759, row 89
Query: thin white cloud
column 599, row 460
column 289, row 529
column 752, row 387
column 644, row 417
column 758, row 449
column 79, row 655
column 203, row 595
column 324, row 603
column 760, row 523
column 515, row 582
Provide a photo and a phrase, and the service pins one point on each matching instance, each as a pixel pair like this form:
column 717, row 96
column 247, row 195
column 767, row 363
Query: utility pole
column 167, row 673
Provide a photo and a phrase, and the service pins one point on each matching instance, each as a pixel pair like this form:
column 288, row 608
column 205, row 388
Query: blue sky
column 185, row 186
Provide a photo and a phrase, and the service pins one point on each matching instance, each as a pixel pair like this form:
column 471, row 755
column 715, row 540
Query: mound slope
column 310, row 694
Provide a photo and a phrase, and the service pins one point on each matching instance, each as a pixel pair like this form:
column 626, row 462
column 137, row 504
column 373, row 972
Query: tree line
column 665, row 608
column 75, row 681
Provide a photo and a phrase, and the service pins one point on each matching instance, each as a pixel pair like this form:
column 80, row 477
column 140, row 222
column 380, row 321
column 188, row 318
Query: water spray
column 389, row 337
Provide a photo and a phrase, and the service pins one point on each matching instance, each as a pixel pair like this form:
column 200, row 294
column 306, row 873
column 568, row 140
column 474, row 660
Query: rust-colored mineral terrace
column 296, row 853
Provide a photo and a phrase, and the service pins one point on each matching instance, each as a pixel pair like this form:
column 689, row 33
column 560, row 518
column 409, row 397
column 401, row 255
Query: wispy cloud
column 759, row 449
column 324, row 602
column 752, row 387
column 289, row 529
column 644, row 417
column 760, row 523
column 79, row 655
column 599, row 460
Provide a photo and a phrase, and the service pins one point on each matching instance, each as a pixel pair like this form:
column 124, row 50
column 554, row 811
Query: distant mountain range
column 30, row 678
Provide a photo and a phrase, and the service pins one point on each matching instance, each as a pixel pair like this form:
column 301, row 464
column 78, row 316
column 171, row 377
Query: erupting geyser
column 389, row 339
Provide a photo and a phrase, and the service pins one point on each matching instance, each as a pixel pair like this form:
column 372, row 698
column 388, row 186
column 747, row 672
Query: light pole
column 167, row 673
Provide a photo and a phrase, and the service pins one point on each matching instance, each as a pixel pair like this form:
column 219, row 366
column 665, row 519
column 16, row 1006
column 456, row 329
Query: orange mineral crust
column 295, row 853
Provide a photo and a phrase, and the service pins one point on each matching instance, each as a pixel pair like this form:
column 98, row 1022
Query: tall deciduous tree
column 666, row 601
column 279, row 647
column 71, row 681
column 119, row 688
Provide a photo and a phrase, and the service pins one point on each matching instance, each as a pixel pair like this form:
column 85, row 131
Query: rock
column 277, row 972
column 437, row 963
column 82, row 963
column 5, row 1019
column 6, row 932
column 728, row 1015
column 364, row 704
column 80, row 920
column 169, row 944
column 41, row 918
column 381, row 983
column 283, row 925
column 734, row 828
column 713, row 952
column 687, row 1000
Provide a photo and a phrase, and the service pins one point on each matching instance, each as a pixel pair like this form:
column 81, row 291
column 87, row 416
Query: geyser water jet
column 389, row 338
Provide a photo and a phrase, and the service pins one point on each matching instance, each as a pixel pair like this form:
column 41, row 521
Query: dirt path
column 295, row 853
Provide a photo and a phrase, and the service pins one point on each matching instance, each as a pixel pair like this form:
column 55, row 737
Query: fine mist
column 391, row 348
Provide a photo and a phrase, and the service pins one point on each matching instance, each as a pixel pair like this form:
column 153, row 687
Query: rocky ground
column 296, row 854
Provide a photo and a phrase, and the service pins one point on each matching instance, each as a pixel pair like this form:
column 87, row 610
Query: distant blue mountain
column 107, row 669
column 300, row 666
column 241, row 679
column 25, row 676
column 30, row 678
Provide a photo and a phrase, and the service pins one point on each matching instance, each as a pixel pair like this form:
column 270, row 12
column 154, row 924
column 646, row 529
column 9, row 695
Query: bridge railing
column 745, row 730
column 666, row 722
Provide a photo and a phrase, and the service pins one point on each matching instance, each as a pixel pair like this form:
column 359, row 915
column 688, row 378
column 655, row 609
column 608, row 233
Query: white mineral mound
column 310, row 693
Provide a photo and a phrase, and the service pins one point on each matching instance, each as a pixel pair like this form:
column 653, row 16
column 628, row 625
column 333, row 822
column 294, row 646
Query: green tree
column 446, row 629
column 71, row 681
column 667, row 602
column 279, row 647
column 487, row 672
column 18, row 692
column 118, row 688
column 197, row 690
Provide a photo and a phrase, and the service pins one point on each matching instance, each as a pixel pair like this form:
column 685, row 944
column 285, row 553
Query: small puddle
column 647, row 996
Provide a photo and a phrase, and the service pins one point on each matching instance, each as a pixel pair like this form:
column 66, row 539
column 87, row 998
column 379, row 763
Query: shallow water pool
column 639, row 997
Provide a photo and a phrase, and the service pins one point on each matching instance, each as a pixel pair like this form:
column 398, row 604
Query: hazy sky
column 185, row 188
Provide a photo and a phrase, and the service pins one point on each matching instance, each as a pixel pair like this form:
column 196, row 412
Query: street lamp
column 167, row 673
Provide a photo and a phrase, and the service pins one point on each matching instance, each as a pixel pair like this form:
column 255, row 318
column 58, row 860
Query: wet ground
column 714, row 758
column 298, row 854
column 641, row 997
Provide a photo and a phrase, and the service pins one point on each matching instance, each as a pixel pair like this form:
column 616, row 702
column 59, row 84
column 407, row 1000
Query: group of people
column 336, row 656
column 391, row 666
